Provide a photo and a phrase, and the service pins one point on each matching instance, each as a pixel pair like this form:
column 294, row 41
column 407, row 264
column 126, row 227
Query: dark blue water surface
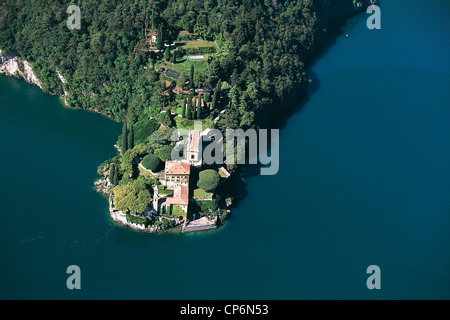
column 364, row 179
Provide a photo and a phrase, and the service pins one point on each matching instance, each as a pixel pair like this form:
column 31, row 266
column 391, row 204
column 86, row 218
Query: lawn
column 201, row 193
column 180, row 101
column 196, row 44
column 183, row 65
column 145, row 173
column 222, row 174
column 184, row 123
column 163, row 191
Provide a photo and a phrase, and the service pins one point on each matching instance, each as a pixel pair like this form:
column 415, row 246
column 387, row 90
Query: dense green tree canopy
column 164, row 153
column 132, row 197
column 158, row 139
column 208, row 180
column 151, row 162
column 262, row 47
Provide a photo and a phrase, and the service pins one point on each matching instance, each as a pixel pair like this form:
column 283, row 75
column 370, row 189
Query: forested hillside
column 261, row 50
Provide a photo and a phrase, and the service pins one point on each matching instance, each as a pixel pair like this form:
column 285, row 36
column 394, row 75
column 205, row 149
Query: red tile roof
column 173, row 167
column 180, row 196
column 194, row 136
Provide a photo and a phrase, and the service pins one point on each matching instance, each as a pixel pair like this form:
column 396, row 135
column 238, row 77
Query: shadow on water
column 301, row 100
column 295, row 104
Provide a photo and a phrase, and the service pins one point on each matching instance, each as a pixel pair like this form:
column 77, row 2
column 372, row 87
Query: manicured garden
column 183, row 65
column 201, row 193
column 177, row 211
column 196, row 44
column 163, row 191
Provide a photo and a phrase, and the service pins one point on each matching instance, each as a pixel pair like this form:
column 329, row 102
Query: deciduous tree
column 132, row 197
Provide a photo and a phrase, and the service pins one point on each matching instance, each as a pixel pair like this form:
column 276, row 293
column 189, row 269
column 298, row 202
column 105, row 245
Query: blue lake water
column 364, row 179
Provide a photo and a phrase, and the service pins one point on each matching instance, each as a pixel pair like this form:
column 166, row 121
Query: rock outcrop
column 17, row 67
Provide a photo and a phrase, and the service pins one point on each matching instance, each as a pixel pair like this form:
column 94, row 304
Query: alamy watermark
column 74, row 21
column 374, row 21
column 374, row 280
column 237, row 141
column 74, row 280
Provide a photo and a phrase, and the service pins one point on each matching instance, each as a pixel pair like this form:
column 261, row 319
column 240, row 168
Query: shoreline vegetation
column 251, row 68
column 151, row 222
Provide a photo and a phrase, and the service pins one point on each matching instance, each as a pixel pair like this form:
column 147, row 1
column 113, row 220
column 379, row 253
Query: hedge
column 201, row 50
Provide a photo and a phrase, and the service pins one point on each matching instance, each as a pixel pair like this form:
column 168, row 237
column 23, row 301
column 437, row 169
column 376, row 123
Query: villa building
column 180, row 198
column 174, row 198
column 176, row 173
column 153, row 37
column 193, row 148
column 176, row 203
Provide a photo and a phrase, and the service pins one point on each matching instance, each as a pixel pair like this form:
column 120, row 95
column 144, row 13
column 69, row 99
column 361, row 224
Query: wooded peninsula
column 156, row 66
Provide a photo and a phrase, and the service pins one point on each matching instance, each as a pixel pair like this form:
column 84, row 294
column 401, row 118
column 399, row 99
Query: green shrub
column 164, row 223
column 205, row 207
column 151, row 162
column 208, row 180
column 131, row 218
column 201, row 50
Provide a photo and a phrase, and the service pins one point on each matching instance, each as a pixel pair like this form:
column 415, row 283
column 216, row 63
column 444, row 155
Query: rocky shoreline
column 17, row 67
column 22, row 69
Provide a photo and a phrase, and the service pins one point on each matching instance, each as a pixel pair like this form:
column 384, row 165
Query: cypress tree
column 199, row 107
column 160, row 38
column 112, row 172
column 215, row 96
column 213, row 102
column 189, row 108
column 181, row 82
column 124, row 138
column 184, row 108
column 114, row 175
column 191, row 77
column 167, row 54
column 131, row 138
